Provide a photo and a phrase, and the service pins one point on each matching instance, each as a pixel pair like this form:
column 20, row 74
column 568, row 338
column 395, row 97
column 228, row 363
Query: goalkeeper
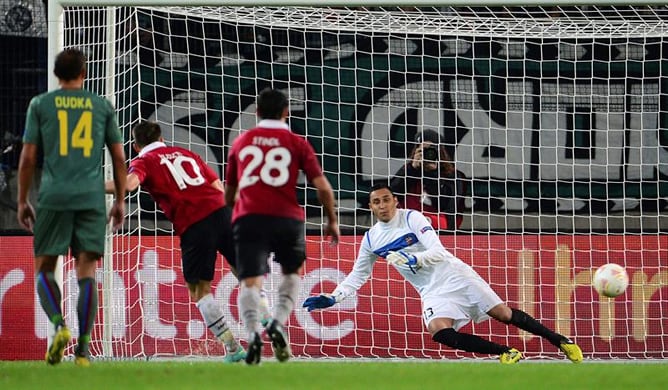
column 452, row 293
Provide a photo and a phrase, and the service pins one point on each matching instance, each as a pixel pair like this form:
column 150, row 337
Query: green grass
column 335, row 375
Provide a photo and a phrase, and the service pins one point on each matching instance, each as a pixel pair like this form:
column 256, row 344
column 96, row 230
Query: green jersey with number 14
column 71, row 127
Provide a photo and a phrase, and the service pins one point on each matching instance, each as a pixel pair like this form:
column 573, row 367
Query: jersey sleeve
column 31, row 134
column 421, row 227
column 112, row 132
column 310, row 164
column 138, row 167
column 360, row 273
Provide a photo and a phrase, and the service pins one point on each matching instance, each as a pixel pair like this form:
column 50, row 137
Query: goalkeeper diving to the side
column 452, row 293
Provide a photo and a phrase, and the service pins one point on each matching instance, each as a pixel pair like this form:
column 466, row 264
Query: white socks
column 215, row 321
column 265, row 314
column 249, row 303
column 287, row 295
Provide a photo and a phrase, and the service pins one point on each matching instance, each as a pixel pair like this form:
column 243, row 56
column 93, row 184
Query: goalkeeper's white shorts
column 461, row 295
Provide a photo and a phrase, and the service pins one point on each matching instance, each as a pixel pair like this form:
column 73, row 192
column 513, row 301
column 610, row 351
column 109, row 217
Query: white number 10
column 276, row 160
column 182, row 178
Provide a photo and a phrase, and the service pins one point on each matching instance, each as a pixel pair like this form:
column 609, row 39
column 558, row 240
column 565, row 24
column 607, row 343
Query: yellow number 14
column 81, row 136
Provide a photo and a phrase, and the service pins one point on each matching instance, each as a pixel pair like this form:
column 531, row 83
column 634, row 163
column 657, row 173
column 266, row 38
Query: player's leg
column 52, row 233
column 198, row 256
column 88, row 246
column 287, row 295
column 249, row 302
column 290, row 253
column 251, row 249
column 226, row 248
column 443, row 332
column 455, row 303
column 526, row 322
column 48, row 291
column 50, row 299
column 212, row 313
column 87, row 304
column 265, row 313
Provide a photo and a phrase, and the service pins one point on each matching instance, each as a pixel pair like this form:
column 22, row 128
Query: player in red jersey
column 190, row 194
column 261, row 182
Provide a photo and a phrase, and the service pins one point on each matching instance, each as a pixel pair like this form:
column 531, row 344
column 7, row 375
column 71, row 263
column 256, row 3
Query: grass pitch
column 335, row 375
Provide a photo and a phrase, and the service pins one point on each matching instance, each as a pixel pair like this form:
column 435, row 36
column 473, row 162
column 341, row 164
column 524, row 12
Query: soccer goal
column 555, row 114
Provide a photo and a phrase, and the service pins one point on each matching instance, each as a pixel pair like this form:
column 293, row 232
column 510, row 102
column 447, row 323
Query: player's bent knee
column 501, row 312
column 447, row 336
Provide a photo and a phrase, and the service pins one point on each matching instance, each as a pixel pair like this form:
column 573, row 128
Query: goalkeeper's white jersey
column 411, row 232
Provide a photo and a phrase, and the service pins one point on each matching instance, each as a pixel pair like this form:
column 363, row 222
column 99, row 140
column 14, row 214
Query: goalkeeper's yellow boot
column 571, row 350
column 279, row 341
column 57, row 349
column 511, row 356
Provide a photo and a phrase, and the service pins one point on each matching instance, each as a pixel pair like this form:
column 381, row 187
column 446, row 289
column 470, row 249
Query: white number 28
column 274, row 171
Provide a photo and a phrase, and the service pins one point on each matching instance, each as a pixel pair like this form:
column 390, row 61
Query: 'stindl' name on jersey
column 266, row 141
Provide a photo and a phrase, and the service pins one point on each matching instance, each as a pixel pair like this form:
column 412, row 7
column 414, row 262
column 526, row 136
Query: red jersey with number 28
column 264, row 164
column 179, row 181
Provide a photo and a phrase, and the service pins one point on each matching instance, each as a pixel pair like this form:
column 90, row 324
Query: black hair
column 380, row 186
column 428, row 135
column 146, row 132
column 69, row 64
column 271, row 103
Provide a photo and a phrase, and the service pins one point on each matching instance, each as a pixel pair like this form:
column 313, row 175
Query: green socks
column 50, row 297
column 86, row 311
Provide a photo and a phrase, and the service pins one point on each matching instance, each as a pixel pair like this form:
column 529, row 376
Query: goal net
column 554, row 116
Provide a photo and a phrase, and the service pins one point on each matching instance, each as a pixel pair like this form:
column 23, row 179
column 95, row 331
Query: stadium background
column 24, row 74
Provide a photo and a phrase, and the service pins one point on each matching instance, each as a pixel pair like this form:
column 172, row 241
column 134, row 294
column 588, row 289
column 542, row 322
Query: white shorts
column 461, row 296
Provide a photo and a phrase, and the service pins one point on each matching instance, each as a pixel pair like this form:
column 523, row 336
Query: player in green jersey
column 70, row 126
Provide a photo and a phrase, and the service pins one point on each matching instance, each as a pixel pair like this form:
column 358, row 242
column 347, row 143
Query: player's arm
column 313, row 170
column 435, row 252
column 114, row 141
column 27, row 164
column 209, row 174
column 230, row 194
column 231, row 184
column 217, row 184
column 326, row 198
column 117, row 212
column 131, row 184
column 353, row 282
column 120, row 171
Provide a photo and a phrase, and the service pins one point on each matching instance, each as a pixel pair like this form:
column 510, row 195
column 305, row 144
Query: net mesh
column 554, row 117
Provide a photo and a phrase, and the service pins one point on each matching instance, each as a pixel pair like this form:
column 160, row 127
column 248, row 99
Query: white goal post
column 554, row 112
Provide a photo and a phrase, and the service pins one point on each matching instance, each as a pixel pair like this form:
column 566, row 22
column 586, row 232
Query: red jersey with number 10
column 179, row 181
column 264, row 165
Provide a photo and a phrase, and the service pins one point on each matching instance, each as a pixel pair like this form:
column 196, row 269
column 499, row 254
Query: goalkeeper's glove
column 401, row 258
column 320, row 302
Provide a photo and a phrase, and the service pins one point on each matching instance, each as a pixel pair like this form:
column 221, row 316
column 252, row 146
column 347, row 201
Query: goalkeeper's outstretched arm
column 356, row 279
